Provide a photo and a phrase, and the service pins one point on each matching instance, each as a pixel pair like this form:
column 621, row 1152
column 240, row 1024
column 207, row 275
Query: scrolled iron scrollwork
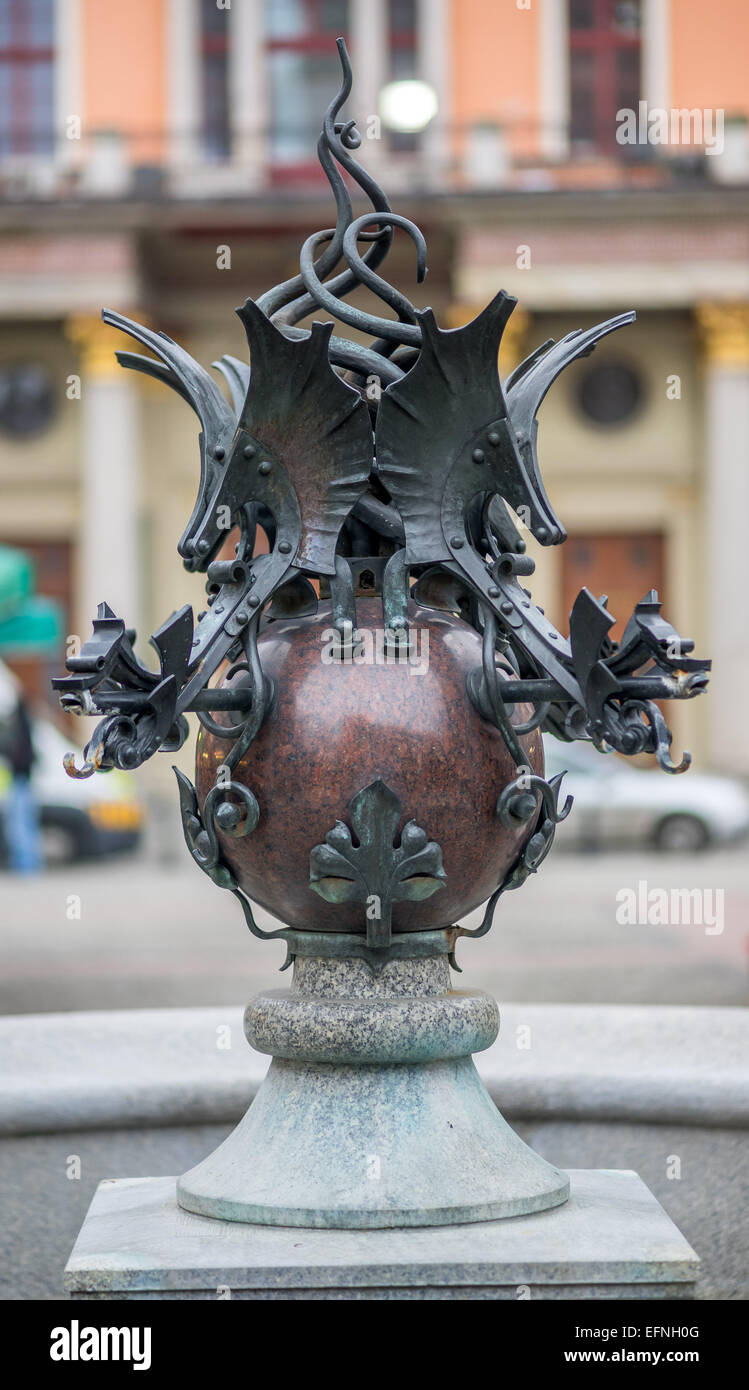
column 202, row 841
column 526, row 796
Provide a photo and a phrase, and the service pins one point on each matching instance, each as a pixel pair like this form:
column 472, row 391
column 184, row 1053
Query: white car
column 616, row 803
column 79, row 819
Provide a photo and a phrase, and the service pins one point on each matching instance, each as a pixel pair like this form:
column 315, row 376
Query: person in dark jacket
column 21, row 816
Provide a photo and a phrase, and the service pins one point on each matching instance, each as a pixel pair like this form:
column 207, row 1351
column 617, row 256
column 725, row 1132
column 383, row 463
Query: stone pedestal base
column 372, row 1113
column 610, row 1240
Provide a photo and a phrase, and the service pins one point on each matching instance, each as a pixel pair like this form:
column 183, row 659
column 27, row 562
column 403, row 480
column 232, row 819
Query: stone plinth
column 611, row 1240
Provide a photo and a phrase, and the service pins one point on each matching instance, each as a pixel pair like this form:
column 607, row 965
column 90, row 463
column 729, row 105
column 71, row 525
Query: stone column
column 434, row 49
column 68, row 85
column 656, row 53
column 109, row 562
column 248, row 84
column 553, row 81
column 370, row 61
column 725, row 563
column 184, row 94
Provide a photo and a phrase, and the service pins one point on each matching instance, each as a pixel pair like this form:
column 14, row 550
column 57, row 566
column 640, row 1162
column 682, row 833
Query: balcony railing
column 481, row 158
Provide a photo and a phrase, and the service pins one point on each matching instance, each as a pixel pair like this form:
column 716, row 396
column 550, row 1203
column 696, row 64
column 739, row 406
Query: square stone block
column 612, row 1239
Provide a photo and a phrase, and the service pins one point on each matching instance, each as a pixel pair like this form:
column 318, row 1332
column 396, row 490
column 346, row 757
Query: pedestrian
column 21, row 817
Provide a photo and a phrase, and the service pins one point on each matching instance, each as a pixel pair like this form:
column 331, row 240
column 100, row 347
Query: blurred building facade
column 157, row 156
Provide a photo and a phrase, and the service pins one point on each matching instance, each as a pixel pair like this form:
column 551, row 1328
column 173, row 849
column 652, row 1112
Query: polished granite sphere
column 337, row 726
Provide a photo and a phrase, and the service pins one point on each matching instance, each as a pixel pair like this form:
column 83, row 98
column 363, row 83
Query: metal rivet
column 285, row 548
column 253, row 600
column 242, row 617
column 494, row 438
column 264, row 468
column 203, row 547
column 227, row 816
column 456, row 543
column 505, row 607
column 219, row 453
column 493, row 592
column 541, row 533
column 478, row 456
column 249, row 451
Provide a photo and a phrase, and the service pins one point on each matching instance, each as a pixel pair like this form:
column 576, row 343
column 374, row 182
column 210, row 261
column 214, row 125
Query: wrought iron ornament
column 409, row 462
column 374, row 870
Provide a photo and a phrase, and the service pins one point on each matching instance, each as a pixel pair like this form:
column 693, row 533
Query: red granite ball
column 335, row 728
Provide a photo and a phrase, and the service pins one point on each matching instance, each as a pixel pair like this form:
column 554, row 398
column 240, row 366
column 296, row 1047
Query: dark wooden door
column 624, row 566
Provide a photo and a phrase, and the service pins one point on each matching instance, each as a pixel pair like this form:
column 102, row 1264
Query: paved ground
column 154, row 932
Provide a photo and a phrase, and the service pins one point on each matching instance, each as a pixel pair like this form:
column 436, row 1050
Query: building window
column 27, row 56
column 27, row 399
column 303, row 73
column 604, row 69
column 610, row 393
column 214, row 65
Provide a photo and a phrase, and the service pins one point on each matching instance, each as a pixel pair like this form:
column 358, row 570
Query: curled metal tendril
column 517, row 801
column 230, row 806
column 515, row 796
column 92, row 763
column 289, row 302
column 656, row 734
column 535, row 721
column 491, row 690
column 406, row 329
column 202, row 841
column 119, row 732
column 235, row 818
column 299, row 296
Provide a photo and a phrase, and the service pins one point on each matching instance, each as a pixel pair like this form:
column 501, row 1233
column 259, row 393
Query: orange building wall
column 495, row 67
column 710, row 55
column 124, row 72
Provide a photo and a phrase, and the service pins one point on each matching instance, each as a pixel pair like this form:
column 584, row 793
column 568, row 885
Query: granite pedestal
column 374, row 1164
column 372, row 1113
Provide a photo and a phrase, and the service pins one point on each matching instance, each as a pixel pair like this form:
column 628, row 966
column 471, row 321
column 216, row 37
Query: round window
column 610, row 394
column 26, row 399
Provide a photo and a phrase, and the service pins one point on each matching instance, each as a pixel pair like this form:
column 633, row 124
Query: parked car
column 79, row 819
column 616, row 803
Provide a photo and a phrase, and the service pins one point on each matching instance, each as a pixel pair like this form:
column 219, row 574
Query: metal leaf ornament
column 374, row 869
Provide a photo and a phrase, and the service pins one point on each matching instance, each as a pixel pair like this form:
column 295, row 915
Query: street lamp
column 407, row 105
column 370, row 765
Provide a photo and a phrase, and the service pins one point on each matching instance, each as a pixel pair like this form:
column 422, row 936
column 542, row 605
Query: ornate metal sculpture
column 388, row 479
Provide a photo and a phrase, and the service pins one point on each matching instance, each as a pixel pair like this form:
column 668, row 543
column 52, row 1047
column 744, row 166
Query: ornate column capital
column 724, row 330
